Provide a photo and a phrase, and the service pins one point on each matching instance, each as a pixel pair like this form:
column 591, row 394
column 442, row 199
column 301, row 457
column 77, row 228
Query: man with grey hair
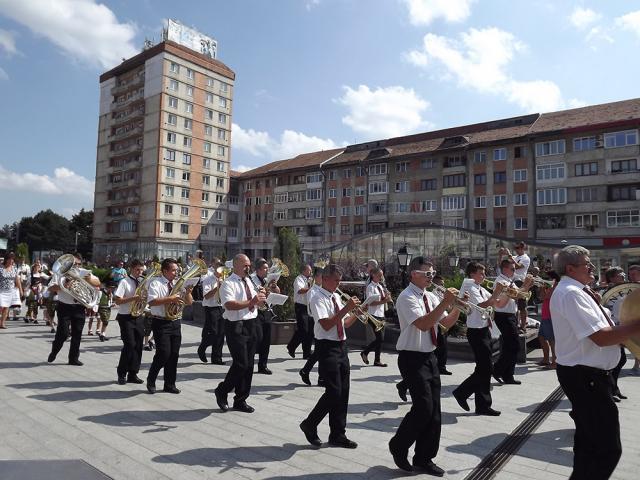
column 587, row 350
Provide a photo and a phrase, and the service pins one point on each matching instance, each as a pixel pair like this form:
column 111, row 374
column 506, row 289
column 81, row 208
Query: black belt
column 161, row 318
column 331, row 342
column 587, row 369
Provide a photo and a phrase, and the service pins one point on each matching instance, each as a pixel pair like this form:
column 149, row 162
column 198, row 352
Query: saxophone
column 138, row 306
column 173, row 311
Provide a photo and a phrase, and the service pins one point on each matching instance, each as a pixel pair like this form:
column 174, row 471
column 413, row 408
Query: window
column 587, row 194
column 499, row 177
column 584, row 169
column 168, row 209
column 345, row 229
column 204, row 230
column 520, row 199
column 171, row 137
column 168, row 227
column 450, row 181
column 280, row 215
column 206, row 180
column 190, row 74
column 281, row 198
column 550, row 222
column 168, row 191
column 332, row 212
column 361, row 191
column 207, row 147
column 480, row 157
column 361, row 171
column 332, row 193
column 188, row 124
column 186, row 158
column 220, row 168
column 428, row 163
column 173, row 102
column 378, row 209
column 555, row 147
column 187, row 142
column 361, row 210
column 520, row 223
column 205, row 196
column 480, row 179
column 624, row 166
column 346, row 173
column 314, row 194
column 402, row 167
column 402, row 187
column 184, row 229
column 499, row 200
column 454, row 161
column 429, row 184
column 209, row 97
column 378, row 169
column 222, row 119
column 209, row 82
column 587, row 220
column 358, row 229
column 429, row 205
column 333, row 174
column 189, row 91
column 499, row 224
column 206, row 163
column 184, row 193
column 480, row 202
column 456, row 202
column 172, row 119
column 171, row 173
column 552, row 196
column 584, row 144
column 208, row 114
column 220, row 198
column 620, row 139
column 378, row 187
column 551, row 171
column 170, row 155
column 519, row 176
column 345, row 211
column 224, row 88
column 346, row 192
column 519, row 152
column 188, row 107
column 221, row 151
column 315, row 177
column 173, row 85
column 222, row 134
column 402, row 207
column 174, row 67
column 314, row 212
column 623, row 192
column 623, row 218
column 222, row 102
column 184, row 211
column 220, row 182
column 499, row 154
column 480, row 225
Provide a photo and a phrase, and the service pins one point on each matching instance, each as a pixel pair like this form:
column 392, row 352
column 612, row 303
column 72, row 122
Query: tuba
column 629, row 312
column 67, row 277
column 138, row 306
column 173, row 311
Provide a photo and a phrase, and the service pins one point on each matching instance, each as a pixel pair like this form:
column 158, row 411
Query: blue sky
column 311, row 74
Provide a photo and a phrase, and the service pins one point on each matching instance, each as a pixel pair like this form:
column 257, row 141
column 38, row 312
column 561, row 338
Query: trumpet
column 363, row 315
column 510, row 291
column 464, row 306
column 541, row 282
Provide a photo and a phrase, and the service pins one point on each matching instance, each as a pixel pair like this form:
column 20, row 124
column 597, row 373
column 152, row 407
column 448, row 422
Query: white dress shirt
column 477, row 295
column 525, row 261
column 310, row 294
column 410, row 306
column 576, row 316
column 158, row 288
column 64, row 297
column 511, row 306
column 299, row 283
column 374, row 288
column 126, row 289
column 322, row 307
column 209, row 282
column 233, row 290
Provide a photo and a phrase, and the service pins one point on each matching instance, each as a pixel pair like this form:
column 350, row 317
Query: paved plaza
column 61, row 412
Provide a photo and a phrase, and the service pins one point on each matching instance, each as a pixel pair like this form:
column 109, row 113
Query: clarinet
column 267, row 308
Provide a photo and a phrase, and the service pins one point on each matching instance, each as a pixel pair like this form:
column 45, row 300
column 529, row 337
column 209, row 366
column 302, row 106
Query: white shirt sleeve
column 581, row 308
column 154, row 290
column 121, row 291
column 209, row 283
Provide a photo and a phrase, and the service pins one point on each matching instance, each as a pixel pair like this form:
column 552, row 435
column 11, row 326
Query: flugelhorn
column 510, row 291
column 464, row 306
column 363, row 315
column 174, row 310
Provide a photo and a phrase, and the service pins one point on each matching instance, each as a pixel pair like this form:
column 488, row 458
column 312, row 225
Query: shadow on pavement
column 377, row 472
column 75, row 395
column 62, row 384
column 147, row 418
column 21, row 364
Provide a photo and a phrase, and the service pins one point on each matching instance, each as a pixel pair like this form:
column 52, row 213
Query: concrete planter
column 281, row 332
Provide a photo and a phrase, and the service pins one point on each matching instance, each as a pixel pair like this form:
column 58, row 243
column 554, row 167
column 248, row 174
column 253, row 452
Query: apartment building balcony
column 131, row 84
column 135, row 147
column 377, row 217
column 129, row 101
column 120, row 118
column 136, row 131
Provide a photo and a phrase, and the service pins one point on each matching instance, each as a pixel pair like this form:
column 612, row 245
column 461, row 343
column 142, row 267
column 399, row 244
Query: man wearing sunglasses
column 419, row 313
column 587, row 349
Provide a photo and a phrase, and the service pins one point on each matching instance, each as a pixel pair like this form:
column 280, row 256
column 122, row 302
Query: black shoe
column 379, row 364
column 265, row 371
column 171, row 389
column 343, row 442
column 53, row 330
column 512, row 381
column 102, row 337
column 305, row 377
column 122, row 380
column 429, row 468
column 77, row 363
column 292, row 353
column 320, row 382
column 311, row 434
column 400, row 459
column 147, row 348
column 243, row 407
column 402, row 393
column 364, row 358
column 444, row 371
column 620, row 395
column 461, row 401
column 151, row 387
column 490, row 412
column 217, row 362
column 202, row 355
column 51, row 357
column 134, row 379
column 498, row 379
column 221, row 400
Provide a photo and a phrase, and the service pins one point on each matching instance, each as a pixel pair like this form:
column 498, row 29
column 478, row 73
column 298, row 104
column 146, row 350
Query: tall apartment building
column 570, row 175
column 162, row 172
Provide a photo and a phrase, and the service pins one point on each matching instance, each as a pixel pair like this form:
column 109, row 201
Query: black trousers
column 615, row 373
column 168, row 337
column 422, row 424
column 376, row 345
column 596, row 442
column 311, row 360
column 506, row 364
column 241, row 340
column 304, row 331
column 69, row 317
column 213, row 332
column 442, row 349
column 132, row 336
column 479, row 382
column 263, row 338
column 334, row 368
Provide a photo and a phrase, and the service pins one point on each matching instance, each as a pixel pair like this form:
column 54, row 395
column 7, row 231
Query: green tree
column 22, row 250
column 47, row 231
column 287, row 248
column 82, row 226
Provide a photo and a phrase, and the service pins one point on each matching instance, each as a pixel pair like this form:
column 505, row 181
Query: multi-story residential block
column 570, row 175
column 164, row 135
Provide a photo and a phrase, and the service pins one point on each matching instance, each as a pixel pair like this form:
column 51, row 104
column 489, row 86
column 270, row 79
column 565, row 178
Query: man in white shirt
column 376, row 309
column 167, row 333
column 313, row 358
column 419, row 312
column 213, row 328
column 522, row 262
column 587, row 348
column 304, row 323
column 479, row 338
column 131, row 328
column 240, row 301
column 265, row 316
column 329, row 330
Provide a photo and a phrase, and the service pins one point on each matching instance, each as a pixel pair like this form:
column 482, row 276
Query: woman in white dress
column 10, row 287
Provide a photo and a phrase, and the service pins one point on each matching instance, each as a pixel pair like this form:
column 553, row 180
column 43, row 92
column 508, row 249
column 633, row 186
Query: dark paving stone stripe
column 50, row 469
column 499, row 456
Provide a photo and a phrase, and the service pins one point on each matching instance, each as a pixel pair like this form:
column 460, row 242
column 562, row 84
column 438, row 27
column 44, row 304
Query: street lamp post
column 404, row 259
column 77, row 234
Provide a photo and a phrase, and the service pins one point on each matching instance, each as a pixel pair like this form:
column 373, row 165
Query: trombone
column 464, row 306
column 362, row 314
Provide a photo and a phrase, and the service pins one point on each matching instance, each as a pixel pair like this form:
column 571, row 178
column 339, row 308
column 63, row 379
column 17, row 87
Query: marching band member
column 131, row 328
column 329, row 315
column 419, row 312
column 167, row 333
column 313, row 358
column 70, row 312
column 304, row 324
column 616, row 276
column 265, row 317
column 479, row 338
column 587, row 345
column 521, row 262
column 213, row 329
column 240, row 301
column 376, row 309
column 442, row 349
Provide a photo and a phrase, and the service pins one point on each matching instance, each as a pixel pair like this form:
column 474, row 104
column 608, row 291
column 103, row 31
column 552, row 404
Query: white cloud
column 290, row 144
column 3, row 75
column 583, row 17
column 311, row 3
column 63, row 182
column 8, row 42
column 423, row 12
column 479, row 61
column 630, row 21
column 384, row 112
column 84, row 30
column 242, row 168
